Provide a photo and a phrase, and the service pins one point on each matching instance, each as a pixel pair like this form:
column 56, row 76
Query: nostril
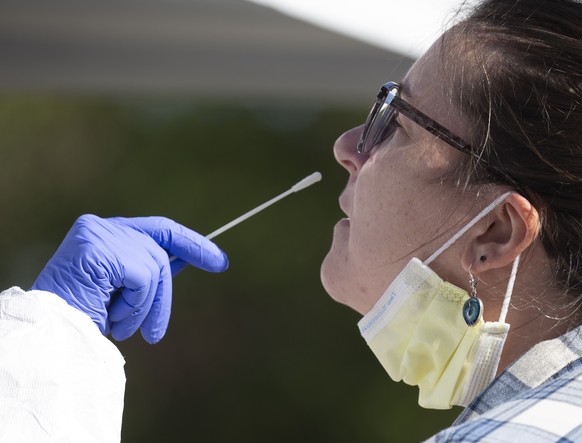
column 350, row 166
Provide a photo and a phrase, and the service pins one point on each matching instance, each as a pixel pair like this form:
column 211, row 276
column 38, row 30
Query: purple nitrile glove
column 117, row 271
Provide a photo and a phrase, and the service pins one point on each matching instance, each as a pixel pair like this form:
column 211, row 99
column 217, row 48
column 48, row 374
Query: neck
column 536, row 312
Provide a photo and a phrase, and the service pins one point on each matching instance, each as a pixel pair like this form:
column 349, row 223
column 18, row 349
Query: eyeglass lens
column 380, row 125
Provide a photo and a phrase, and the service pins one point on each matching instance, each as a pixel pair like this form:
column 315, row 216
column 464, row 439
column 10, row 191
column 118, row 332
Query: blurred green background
column 259, row 353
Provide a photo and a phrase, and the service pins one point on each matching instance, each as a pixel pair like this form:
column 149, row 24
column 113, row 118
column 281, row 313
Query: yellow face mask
column 430, row 333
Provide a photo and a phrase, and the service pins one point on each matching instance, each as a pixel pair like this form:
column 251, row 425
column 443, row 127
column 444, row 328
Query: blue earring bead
column 472, row 311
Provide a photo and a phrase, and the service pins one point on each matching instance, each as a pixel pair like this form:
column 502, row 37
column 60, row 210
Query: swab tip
column 307, row 181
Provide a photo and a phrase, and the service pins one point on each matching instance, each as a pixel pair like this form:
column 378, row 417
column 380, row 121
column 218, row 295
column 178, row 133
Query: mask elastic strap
column 468, row 226
column 509, row 290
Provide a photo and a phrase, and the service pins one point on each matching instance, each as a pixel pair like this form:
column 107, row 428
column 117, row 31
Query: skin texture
column 399, row 205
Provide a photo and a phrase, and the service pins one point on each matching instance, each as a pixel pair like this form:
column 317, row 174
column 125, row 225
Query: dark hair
column 520, row 86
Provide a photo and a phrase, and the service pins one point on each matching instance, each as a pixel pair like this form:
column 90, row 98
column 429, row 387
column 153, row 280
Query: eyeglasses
column 381, row 122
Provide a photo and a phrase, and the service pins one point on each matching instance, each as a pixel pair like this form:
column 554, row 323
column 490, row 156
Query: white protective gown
column 61, row 380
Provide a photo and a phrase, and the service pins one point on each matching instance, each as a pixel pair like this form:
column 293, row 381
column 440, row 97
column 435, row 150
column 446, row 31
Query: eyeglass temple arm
column 431, row 125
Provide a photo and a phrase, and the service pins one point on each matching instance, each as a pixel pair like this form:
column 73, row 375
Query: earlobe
column 510, row 229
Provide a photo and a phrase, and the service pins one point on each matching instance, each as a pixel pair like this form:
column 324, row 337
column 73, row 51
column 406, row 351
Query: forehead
column 428, row 86
column 426, row 74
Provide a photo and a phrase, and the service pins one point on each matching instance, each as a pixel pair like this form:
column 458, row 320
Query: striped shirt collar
column 545, row 361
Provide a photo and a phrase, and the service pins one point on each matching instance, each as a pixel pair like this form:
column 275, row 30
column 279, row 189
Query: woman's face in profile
column 395, row 202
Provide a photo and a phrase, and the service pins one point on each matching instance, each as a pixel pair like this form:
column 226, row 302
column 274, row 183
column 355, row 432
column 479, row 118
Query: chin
column 341, row 285
column 335, row 273
column 327, row 275
column 333, row 279
column 324, row 275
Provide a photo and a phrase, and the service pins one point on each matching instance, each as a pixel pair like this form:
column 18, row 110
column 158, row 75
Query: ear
column 501, row 236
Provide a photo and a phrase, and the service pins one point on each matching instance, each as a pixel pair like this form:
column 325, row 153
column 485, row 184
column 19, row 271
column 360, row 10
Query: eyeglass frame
column 406, row 109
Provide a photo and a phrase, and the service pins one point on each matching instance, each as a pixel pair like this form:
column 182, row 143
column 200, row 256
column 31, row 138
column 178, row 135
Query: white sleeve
column 61, row 380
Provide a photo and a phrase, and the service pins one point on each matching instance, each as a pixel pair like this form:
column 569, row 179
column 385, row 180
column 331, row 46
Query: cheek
column 400, row 208
column 385, row 214
column 372, row 242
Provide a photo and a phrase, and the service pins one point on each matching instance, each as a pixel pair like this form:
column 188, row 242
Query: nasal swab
column 306, row 182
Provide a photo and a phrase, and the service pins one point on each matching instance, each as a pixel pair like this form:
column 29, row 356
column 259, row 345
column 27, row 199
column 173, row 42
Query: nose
column 345, row 152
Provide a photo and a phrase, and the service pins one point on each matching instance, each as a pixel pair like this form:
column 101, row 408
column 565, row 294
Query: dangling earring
column 473, row 308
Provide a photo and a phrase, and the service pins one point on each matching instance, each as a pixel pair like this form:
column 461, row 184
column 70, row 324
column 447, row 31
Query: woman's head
column 396, row 200
column 507, row 79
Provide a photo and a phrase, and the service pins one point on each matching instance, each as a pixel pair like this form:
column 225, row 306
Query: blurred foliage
column 259, row 353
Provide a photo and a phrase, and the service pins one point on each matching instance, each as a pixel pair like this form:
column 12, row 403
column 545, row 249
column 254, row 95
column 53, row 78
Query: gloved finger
column 180, row 241
column 129, row 309
column 119, row 309
column 157, row 319
column 125, row 328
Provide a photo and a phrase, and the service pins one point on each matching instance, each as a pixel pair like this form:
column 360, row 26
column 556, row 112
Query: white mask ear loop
column 509, row 290
column 468, row 226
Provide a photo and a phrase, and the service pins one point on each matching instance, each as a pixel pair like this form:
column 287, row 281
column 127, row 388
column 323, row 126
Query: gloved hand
column 117, row 270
